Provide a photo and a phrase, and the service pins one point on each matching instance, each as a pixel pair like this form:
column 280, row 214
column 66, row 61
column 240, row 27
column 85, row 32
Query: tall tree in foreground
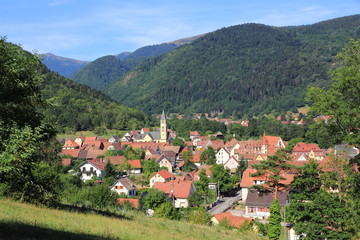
column 273, row 169
column 24, row 136
column 274, row 228
column 341, row 102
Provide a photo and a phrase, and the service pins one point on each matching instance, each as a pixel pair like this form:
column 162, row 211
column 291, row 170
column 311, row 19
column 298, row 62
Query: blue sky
column 88, row 29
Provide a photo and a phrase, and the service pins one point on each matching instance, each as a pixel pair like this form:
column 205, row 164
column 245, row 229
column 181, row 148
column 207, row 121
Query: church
column 161, row 136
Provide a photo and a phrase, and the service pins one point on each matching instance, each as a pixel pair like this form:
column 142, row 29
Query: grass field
column 25, row 221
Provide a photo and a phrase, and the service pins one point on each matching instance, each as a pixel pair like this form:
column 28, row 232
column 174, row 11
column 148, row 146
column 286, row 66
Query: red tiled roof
column 135, row 163
column 97, row 163
column 134, row 202
column 116, row 160
column 72, row 152
column 306, row 147
column 196, row 158
column 180, row 188
column 66, row 161
column 70, row 143
column 165, row 174
column 233, row 220
column 194, row 133
column 248, row 181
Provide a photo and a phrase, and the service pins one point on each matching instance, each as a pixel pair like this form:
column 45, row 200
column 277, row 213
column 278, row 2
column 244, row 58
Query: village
column 180, row 169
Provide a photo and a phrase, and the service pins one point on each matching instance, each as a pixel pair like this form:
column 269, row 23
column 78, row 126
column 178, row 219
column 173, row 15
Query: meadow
column 26, row 221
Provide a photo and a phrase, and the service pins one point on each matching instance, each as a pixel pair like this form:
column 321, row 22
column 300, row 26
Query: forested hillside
column 244, row 69
column 103, row 71
column 78, row 107
column 66, row 67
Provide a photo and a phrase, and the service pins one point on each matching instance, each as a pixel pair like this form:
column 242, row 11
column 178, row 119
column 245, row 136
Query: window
column 91, row 169
column 251, row 209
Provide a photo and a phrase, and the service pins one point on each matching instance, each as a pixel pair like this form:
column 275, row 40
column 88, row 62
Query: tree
column 208, row 156
column 341, row 102
column 198, row 216
column 318, row 212
column 25, row 138
column 152, row 200
column 166, row 210
column 178, row 142
column 150, row 167
column 221, row 175
column 109, row 170
column 274, row 228
column 273, row 169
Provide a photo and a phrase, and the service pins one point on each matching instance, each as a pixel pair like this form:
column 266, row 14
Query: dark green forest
column 105, row 70
column 78, row 107
column 245, row 69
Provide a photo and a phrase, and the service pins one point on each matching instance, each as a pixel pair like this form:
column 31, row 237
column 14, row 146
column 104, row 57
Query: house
column 79, row 140
column 74, row 153
column 258, row 205
column 71, row 144
column 115, row 160
column 133, row 201
column 194, row 134
column 232, row 220
column 178, row 191
column 247, row 180
column 114, row 139
column 347, row 149
column 231, row 164
column 136, row 166
column 161, row 176
column 222, row 156
column 124, row 186
column 91, row 168
column 310, row 150
column 164, row 162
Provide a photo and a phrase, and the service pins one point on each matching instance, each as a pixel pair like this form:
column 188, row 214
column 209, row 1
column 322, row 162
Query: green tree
column 150, row 167
column 322, row 214
column 273, row 168
column 221, row 175
column 208, row 156
column 274, row 228
column 25, row 138
column 198, row 216
column 152, row 200
column 178, row 142
column 341, row 102
column 166, row 210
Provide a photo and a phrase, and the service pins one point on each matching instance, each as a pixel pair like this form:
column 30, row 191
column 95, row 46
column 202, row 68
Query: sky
column 89, row 29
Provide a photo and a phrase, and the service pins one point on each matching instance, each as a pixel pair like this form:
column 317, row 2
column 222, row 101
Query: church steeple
column 163, row 130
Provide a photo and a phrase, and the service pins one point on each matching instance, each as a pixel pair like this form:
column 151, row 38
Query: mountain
column 64, row 66
column 103, row 71
column 244, row 69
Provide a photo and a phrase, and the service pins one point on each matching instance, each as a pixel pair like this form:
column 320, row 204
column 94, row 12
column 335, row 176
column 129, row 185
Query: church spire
column 163, row 115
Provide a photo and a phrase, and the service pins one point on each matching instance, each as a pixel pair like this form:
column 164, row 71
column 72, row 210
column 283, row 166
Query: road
column 225, row 205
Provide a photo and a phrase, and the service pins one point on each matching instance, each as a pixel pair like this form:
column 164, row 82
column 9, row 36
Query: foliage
column 166, row 210
column 109, row 170
column 150, row 167
column 221, row 175
column 96, row 197
column 178, row 142
column 152, row 200
column 320, row 213
column 243, row 69
column 101, row 72
column 198, row 216
column 77, row 107
column 208, row 156
column 273, row 168
column 26, row 147
column 274, row 228
column 341, row 102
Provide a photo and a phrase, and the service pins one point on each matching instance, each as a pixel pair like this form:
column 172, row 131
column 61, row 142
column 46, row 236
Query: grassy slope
column 25, row 221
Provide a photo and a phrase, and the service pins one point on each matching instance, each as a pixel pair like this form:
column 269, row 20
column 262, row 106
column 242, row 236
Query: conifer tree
column 274, row 228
